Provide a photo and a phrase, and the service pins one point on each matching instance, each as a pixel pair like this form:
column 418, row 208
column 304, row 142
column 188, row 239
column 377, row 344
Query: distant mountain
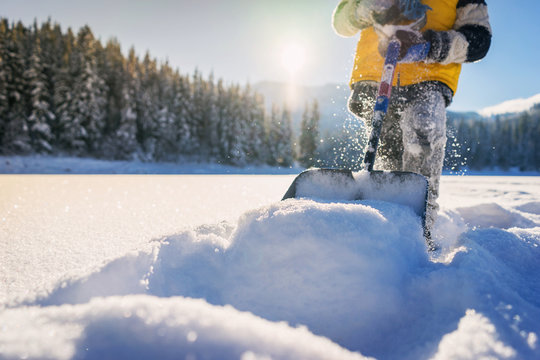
column 475, row 139
column 332, row 99
column 511, row 106
column 463, row 115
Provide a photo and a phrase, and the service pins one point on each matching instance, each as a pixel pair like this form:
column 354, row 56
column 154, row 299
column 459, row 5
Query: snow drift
column 146, row 327
column 301, row 279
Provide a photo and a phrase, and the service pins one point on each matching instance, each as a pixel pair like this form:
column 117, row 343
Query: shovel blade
column 405, row 188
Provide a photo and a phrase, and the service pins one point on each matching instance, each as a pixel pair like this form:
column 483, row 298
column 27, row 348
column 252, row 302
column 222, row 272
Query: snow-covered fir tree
column 62, row 92
column 111, row 66
column 254, row 146
column 16, row 135
column 237, row 130
column 166, row 146
column 280, row 137
column 120, row 138
column 228, row 124
column 39, row 115
column 83, row 110
column 204, row 115
column 224, row 121
column 147, row 107
column 67, row 93
column 309, row 135
column 53, row 57
column 182, row 108
column 4, row 106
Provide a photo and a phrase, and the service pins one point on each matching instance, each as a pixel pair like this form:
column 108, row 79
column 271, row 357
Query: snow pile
column 494, row 215
column 354, row 273
column 511, row 106
column 146, row 327
column 475, row 338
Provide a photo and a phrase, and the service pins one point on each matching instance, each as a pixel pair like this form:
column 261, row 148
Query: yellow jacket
column 456, row 23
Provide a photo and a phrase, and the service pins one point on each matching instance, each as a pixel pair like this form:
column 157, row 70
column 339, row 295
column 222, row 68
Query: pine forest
column 66, row 93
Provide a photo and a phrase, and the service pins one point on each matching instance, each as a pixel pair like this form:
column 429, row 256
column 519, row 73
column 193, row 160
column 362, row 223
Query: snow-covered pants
column 413, row 136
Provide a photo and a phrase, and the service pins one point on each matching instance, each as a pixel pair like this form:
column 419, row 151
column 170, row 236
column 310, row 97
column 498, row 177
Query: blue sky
column 243, row 40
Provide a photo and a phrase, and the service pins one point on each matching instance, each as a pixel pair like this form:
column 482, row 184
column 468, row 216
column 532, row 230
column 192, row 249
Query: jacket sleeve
column 468, row 41
column 346, row 20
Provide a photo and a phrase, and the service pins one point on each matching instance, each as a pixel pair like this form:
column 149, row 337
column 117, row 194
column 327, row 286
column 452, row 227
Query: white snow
column 475, row 338
column 511, row 106
column 45, row 164
column 156, row 328
column 407, row 189
column 217, row 267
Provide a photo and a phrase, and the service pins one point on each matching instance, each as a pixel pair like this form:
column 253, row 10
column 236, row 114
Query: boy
column 413, row 136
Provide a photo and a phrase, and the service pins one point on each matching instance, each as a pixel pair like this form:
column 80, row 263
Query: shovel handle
column 383, row 99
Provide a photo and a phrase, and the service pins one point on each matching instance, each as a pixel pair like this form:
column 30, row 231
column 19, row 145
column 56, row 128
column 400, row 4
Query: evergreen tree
column 182, row 109
column 53, row 60
column 16, row 137
column 272, row 137
column 254, row 144
column 480, row 150
column 82, row 107
column 66, row 92
column 147, row 107
column 204, row 115
column 39, row 100
column 166, row 145
column 123, row 142
column 309, row 135
column 4, row 106
column 504, row 145
column 237, row 130
column 62, row 96
column 524, row 143
column 279, row 137
column 286, row 149
column 125, row 136
column 112, row 69
column 223, row 121
column 535, row 135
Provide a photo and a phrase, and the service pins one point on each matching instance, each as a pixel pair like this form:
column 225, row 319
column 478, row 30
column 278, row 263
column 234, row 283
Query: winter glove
column 350, row 16
column 386, row 12
column 414, row 47
column 368, row 12
column 396, row 11
column 440, row 44
column 388, row 15
column 412, row 9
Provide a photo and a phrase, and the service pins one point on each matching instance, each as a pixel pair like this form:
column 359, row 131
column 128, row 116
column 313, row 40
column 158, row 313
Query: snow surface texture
column 45, row 164
column 301, row 279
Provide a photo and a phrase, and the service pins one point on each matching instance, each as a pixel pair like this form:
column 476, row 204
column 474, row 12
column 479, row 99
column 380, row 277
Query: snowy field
column 215, row 267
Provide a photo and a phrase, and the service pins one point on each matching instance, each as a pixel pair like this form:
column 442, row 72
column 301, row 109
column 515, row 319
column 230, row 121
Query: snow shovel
column 405, row 188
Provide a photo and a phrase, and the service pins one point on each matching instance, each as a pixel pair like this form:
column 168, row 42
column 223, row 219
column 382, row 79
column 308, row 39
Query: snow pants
column 413, row 136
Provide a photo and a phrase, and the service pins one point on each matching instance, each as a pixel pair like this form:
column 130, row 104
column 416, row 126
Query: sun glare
column 293, row 58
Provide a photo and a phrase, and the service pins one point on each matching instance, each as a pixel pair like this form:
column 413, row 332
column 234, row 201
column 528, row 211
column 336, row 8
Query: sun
column 293, row 58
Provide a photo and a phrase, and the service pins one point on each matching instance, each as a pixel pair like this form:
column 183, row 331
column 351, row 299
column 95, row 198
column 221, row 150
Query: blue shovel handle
column 383, row 99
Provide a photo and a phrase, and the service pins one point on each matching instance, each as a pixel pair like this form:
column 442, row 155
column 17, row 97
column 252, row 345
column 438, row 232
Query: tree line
column 66, row 93
column 499, row 142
